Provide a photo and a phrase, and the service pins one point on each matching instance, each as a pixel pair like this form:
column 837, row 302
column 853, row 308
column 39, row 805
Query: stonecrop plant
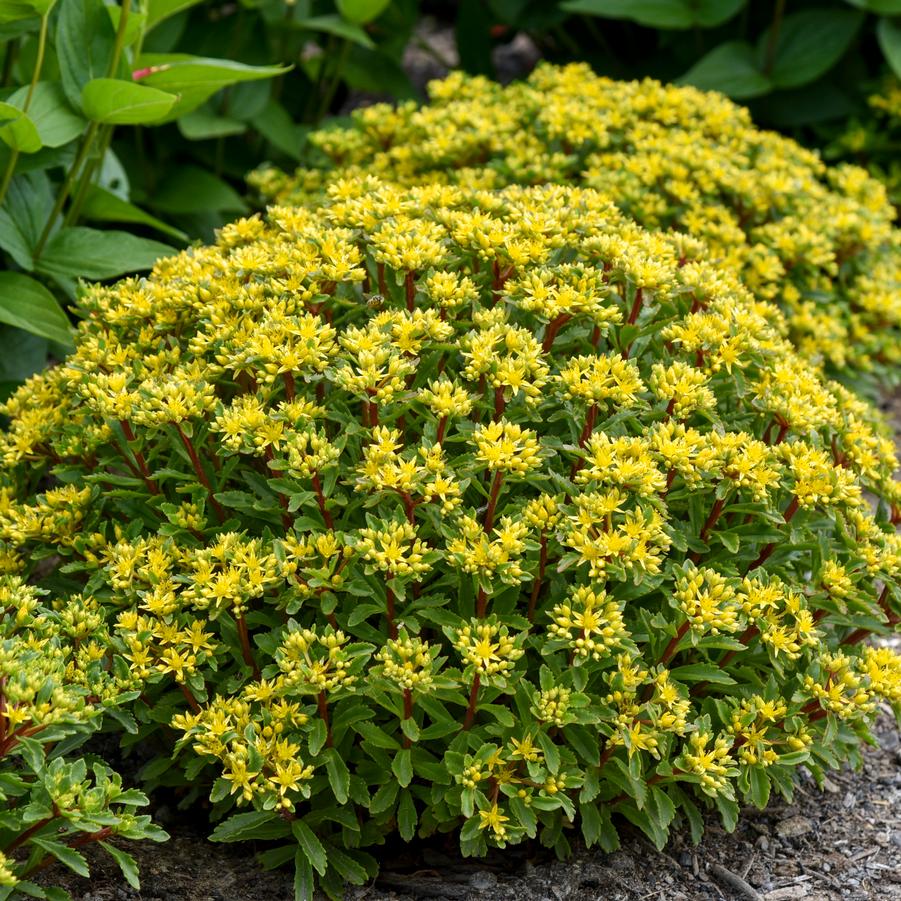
column 443, row 510
column 59, row 678
column 816, row 240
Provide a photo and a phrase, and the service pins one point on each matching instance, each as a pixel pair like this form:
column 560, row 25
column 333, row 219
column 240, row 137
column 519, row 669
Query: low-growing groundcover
column 816, row 240
column 437, row 510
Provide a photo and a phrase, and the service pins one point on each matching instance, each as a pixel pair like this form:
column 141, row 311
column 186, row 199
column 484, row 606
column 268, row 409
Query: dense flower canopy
column 817, row 240
column 471, row 508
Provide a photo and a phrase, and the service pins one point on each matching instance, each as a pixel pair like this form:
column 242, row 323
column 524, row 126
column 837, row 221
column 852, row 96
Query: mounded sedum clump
column 817, row 240
column 439, row 510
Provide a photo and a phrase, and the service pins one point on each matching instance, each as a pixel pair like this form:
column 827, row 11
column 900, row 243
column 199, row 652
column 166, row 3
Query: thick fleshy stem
column 670, row 650
column 488, row 524
column 442, row 429
column 539, row 578
column 591, row 418
column 409, row 507
column 287, row 519
column 320, row 500
column 246, row 650
column 198, row 469
column 408, row 712
column 322, row 706
column 499, row 402
column 859, row 635
column 633, row 318
column 290, row 388
column 768, row 549
column 410, row 290
column 481, row 603
column 746, row 636
column 390, row 609
column 552, row 330
column 469, row 719
column 189, row 697
column 715, row 513
column 127, row 430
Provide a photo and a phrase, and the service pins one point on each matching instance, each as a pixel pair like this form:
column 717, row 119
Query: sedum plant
column 441, row 510
column 818, row 241
column 59, row 677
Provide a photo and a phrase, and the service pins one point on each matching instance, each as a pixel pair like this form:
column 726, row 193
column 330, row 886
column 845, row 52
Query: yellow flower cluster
column 457, row 469
column 670, row 158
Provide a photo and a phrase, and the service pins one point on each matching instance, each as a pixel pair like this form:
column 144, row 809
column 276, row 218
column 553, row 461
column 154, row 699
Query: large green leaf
column 103, row 205
column 160, row 10
column 361, row 11
column 84, row 42
column 24, row 215
column 809, row 43
column 202, row 124
column 275, row 124
column 190, row 189
column 49, row 110
column 91, row 253
column 889, row 34
column 337, row 26
column 16, row 11
column 196, row 78
column 730, row 68
column 17, row 130
column 28, row 305
column 114, row 101
column 670, row 14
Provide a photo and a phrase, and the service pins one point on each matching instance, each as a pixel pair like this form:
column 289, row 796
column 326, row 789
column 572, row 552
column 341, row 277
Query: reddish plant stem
column 596, row 336
column 28, row 833
column 409, row 508
column 320, row 500
column 715, row 513
column 246, row 650
column 670, row 650
column 189, row 697
column 591, row 418
column 290, row 388
column 201, row 475
column 287, row 519
column 633, row 318
column 469, row 719
column 859, row 634
column 539, row 578
column 322, row 706
column 152, row 486
column 442, row 428
column 768, row 549
column 481, row 603
column 13, row 738
column 746, row 636
column 410, row 290
column 408, row 712
column 391, row 612
column 670, row 478
column 488, row 525
column 499, row 402
column 783, row 431
column 553, row 328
